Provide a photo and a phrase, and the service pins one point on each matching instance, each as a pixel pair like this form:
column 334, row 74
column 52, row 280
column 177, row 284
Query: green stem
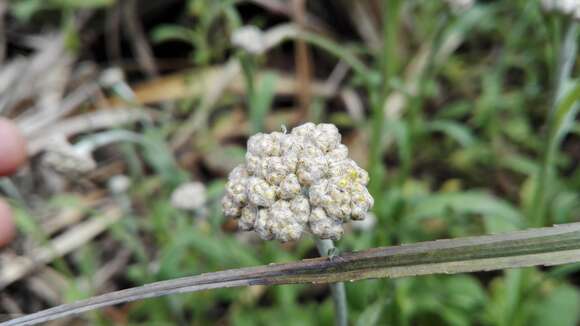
column 248, row 63
column 378, row 96
column 566, row 61
column 416, row 120
column 325, row 247
column 376, row 167
column 340, row 52
column 567, row 58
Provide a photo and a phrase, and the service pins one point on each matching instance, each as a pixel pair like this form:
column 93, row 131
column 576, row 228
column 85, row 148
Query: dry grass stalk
column 16, row 267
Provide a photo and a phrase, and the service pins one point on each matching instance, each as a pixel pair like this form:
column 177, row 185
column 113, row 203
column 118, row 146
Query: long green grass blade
column 560, row 123
column 545, row 246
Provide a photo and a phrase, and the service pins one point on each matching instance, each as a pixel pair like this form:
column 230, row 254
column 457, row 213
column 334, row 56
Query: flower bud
column 190, row 196
column 260, row 193
column 297, row 182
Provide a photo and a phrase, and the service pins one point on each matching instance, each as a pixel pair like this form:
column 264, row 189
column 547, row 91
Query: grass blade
column 560, row 123
column 545, row 246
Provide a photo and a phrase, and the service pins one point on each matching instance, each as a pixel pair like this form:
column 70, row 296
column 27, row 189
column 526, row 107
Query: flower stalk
column 326, row 248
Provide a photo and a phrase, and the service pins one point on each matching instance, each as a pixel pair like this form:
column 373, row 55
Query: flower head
column 119, row 184
column 295, row 182
column 249, row 38
column 189, row 196
column 564, row 7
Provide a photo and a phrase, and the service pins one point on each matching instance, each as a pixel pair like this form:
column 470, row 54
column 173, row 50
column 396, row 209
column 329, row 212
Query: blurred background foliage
column 451, row 113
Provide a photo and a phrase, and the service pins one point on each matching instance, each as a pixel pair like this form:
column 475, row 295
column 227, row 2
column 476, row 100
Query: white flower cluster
column 296, row 182
column 189, row 196
column 565, row 7
column 255, row 41
column 119, row 184
column 460, row 6
column 249, row 38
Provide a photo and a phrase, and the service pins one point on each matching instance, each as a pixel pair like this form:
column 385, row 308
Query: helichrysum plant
column 296, row 182
column 303, row 181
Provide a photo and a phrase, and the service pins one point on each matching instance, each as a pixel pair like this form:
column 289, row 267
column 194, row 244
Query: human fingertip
column 7, row 227
column 12, row 146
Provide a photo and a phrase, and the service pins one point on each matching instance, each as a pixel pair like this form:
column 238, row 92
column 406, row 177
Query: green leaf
column 215, row 189
column 563, row 118
column 225, row 158
column 499, row 215
column 453, row 130
column 159, row 156
column 261, row 100
column 519, row 163
column 560, row 307
column 454, row 317
column 454, row 299
column 564, row 206
column 164, row 33
column 371, row 315
column 81, row 4
column 401, row 131
column 560, row 123
column 25, row 9
column 225, row 251
column 464, row 25
column 464, row 292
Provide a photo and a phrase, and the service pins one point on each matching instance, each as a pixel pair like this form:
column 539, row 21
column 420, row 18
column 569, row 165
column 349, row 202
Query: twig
column 284, row 8
column 141, row 48
column 34, row 71
column 214, row 90
column 337, row 76
column 87, row 122
column 45, row 285
column 364, row 24
column 302, row 59
column 112, row 35
column 177, row 86
column 546, row 246
column 18, row 267
column 35, row 123
column 354, row 105
column 10, row 305
column 69, row 216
